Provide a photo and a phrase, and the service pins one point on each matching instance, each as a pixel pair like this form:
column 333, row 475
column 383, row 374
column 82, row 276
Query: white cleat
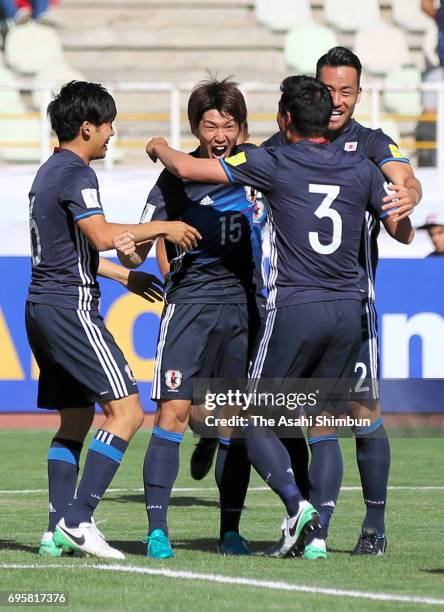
column 85, row 538
column 295, row 531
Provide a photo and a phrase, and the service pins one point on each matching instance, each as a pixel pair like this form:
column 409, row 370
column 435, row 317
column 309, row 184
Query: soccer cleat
column 370, row 543
column 295, row 531
column 315, row 550
column 234, row 544
column 48, row 548
column 85, row 538
column 202, row 457
column 158, row 545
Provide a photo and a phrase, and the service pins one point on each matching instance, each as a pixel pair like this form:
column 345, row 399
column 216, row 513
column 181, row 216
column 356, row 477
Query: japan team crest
column 173, row 379
column 250, row 194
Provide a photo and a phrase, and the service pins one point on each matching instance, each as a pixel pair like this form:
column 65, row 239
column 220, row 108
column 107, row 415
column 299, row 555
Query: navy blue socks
column 160, row 470
column 299, row 456
column 326, row 471
column 373, row 458
column 63, row 469
column 102, row 461
column 232, row 477
column 272, row 462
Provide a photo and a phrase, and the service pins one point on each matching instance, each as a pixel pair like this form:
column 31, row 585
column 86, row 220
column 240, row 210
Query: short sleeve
column 381, row 149
column 379, row 189
column 163, row 202
column 81, row 193
column 253, row 168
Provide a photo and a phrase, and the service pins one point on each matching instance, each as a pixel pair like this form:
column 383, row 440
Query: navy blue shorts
column 366, row 369
column 79, row 360
column 318, row 340
column 201, row 341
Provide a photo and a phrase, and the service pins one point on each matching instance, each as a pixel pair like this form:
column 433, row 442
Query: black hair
column 309, row 103
column 223, row 96
column 79, row 101
column 339, row 56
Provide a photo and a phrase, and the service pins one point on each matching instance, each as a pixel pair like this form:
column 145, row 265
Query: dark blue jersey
column 380, row 149
column 64, row 264
column 317, row 199
column 220, row 269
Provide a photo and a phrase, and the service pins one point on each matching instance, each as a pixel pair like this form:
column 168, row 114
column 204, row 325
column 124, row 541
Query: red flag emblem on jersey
column 350, row 146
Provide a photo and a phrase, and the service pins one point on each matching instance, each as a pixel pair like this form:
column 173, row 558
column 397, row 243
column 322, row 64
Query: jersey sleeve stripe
column 227, row 170
column 403, row 160
column 88, row 214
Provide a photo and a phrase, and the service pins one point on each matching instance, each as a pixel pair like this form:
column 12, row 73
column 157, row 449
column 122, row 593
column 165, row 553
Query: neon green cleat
column 234, row 544
column 48, row 548
column 159, row 546
column 315, row 550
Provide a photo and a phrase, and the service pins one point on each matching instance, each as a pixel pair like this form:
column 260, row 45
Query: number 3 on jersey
column 331, row 193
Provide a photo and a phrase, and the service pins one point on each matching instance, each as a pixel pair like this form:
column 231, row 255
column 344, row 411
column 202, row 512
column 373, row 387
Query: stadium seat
column 405, row 102
column 10, row 100
column 381, row 48
column 55, row 76
column 430, row 44
column 408, row 14
column 349, row 15
column 29, row 48
column 304, row 45
column 281, row 15
column 19, row 136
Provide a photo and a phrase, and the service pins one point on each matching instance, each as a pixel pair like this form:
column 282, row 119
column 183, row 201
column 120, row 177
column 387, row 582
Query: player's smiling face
column 342, row 82
column 100, row 136
column 217, row 134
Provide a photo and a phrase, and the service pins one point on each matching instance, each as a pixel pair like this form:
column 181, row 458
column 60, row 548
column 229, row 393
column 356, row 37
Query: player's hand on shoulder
column 124, row 243
column 150, row 147
column 182, row 234
column 401, row 202
column 146, row 285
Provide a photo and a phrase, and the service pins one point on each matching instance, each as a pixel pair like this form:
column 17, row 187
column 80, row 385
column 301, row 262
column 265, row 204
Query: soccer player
column 204, row 451
column 317, row 197
column 209, row 317
column 78, row 358
column 340, row 69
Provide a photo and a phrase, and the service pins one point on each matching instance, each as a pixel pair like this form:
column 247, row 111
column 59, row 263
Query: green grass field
column 413, row 566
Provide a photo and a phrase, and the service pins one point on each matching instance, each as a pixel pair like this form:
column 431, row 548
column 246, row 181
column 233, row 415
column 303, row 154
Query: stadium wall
column 411, row 321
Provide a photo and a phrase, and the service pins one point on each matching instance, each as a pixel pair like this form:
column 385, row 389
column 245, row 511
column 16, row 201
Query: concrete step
column 140, row 39
column 170, row 65
column 160, row 3
column 152, row 17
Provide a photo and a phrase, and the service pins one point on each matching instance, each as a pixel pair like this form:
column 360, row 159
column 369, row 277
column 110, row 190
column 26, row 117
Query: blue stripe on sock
column 225, row 441
column 322, row 439
column 361, row 431
column 167, row 435
column 106, row 449
column 55, row 453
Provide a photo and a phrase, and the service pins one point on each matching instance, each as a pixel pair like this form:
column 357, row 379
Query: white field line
column 203, row 490
column 248, row 582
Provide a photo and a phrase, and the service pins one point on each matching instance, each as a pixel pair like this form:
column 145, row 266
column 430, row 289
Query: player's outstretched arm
column 100, row 233
column 185, row 166
column 402, row 231
column 146, row 285
column 406, row 187
column 162, row 259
